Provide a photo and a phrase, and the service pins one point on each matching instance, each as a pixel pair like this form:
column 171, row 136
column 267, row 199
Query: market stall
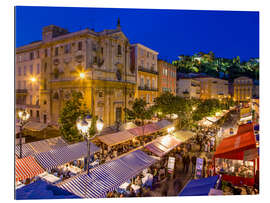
column 27, row 168
column 163, row 145
column 245, row 128
column 108, row 176
column 235, row 158
column 116, row 138
column 42, row 190
column 200, row 187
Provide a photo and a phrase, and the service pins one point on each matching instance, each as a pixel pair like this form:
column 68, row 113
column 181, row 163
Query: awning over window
column 116, row 138
column 65, row 154
column 33, row 148
column 35, row 126
column 108, row 176
column 42, row 190
column 233, row 147
column 199, row 187
column 163, row 145
column 27, row 168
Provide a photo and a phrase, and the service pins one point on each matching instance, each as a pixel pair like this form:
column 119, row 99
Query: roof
column 144, row 47
column 27, row 168
column 42, row 190
column 233, row 147
column 144, row 130
column 35, row 126
column 184, row 135
column 116, row 138
column 108, row 176
column 245, row 128
column 199, row 187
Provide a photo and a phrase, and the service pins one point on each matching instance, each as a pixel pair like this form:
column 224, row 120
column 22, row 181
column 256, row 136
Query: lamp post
column 84, row 125
column 24, row 116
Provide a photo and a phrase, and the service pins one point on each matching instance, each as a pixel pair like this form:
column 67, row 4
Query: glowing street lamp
column 23, row 116
column 83, row 126
column 194, row 108
column 33, row 79
column 170, row 130
column 82, row 75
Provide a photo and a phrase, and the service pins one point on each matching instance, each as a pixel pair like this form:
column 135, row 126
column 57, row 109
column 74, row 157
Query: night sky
column 170, row 32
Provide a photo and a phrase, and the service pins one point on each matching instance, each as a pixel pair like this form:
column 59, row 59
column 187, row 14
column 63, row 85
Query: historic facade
column 188, row 88
column 144, row 61
column 166, row 77
column 242, row 89
column 97, row 64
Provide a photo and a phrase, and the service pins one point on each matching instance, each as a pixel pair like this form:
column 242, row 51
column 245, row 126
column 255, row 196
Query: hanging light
column 99, row 124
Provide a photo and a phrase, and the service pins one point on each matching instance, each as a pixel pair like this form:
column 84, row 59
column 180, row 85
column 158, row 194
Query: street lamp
column 82, row 75
column 33, row 79
column 83, row 126
column 24, row 116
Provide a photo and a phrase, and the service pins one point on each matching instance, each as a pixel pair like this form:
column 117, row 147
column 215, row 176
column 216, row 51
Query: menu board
column 199, row 167
column 171, row 163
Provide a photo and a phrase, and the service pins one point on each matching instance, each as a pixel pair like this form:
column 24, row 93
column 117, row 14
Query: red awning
column 27, row 168
column 234, row 147
column 245, row 128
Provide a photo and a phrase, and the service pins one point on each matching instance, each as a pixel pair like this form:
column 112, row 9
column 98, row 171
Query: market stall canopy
column 144, row 130
column 127, row 126
column 27, row 168
column 108, row 176
column 163, row 124
column 65, row 154
column 184, row 135
column 35, row 126
column 49, row 177
column 42, row 190
column 237, row 146
column 33, row 148
column 163, row 145
column 116, row 138
column 199, row 187
column 245, row 128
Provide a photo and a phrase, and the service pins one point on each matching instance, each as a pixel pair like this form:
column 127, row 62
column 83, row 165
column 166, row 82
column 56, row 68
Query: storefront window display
column 232, row 167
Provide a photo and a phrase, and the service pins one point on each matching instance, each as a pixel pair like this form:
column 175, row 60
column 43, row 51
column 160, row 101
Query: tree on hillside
column 73, row 108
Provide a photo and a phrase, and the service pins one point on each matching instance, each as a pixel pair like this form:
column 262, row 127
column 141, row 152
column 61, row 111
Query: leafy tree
column 73, row 108
column 139, row 111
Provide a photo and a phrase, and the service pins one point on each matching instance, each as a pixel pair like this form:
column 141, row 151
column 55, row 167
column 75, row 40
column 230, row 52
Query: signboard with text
column 199, row 167
column 171, row 163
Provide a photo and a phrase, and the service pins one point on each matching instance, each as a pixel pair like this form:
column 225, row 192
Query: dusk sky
column 170, row 32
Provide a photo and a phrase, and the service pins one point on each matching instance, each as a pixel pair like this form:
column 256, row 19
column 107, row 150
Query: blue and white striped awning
column 46, row 145
column 63, row 155
column 108, row 176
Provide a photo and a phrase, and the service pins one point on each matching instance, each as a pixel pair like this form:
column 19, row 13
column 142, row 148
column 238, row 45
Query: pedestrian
column 204, row 168
column 187, row 163
column 193, row 161
column 184, row 162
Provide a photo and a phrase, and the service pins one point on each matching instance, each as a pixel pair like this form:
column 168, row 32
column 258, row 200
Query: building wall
column 189, row 88
column 104, row 57
column 242, row 89
column 145, row 62
column 166, row 77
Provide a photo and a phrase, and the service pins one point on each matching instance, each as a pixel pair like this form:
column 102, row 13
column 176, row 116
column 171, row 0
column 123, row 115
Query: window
column 141, row 52
column 30, row 85
column 142, row 81
column 80, row 46
column 119, row 50
column 56, row 96
column 44, row 102
column 148, row 83
column 147, row 54
column 31, row 112
column 19, row 85
column 37, row 53
column 153, row 83
column 142, row 63
column 24, row 84
column 147, row 66
column 31, row 99
column 31, row 55
column 100, row 94
column 31, row 69
column 20, row 58
column 37, row 113
column 24, row 70
column 147, row 98
column 56, row 51
column 46, row 52
column 45, row 67
column 19, row 71
column 153, row 57
column 38, row 69
column 101, row 50
column 67, row 48
column 37, row 101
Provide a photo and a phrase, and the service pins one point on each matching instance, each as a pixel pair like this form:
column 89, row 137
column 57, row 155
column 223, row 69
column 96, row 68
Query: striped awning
column 116, row 138
column 46, row 145
column 108, row 176
column 144, row 130
column 27, row 168
column 63, row 155
column 163, row 145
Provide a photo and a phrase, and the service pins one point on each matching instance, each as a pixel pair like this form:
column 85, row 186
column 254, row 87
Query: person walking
column 193, row 161
column 187, row 163
column 184, row 162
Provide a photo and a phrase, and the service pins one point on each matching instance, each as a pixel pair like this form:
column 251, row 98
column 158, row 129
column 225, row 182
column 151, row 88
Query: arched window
column 119, row 49
column 55, row 95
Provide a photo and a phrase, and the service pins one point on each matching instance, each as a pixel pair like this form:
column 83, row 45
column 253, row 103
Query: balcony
column 140, row 68
column 146, row 88
column 21, row 91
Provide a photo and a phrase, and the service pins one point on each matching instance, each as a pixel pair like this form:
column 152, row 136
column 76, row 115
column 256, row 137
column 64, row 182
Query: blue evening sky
column 170, row 32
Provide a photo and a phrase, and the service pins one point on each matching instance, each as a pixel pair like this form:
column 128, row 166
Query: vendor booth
column 200, row 187
column 42, row 190
column 235, row 158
